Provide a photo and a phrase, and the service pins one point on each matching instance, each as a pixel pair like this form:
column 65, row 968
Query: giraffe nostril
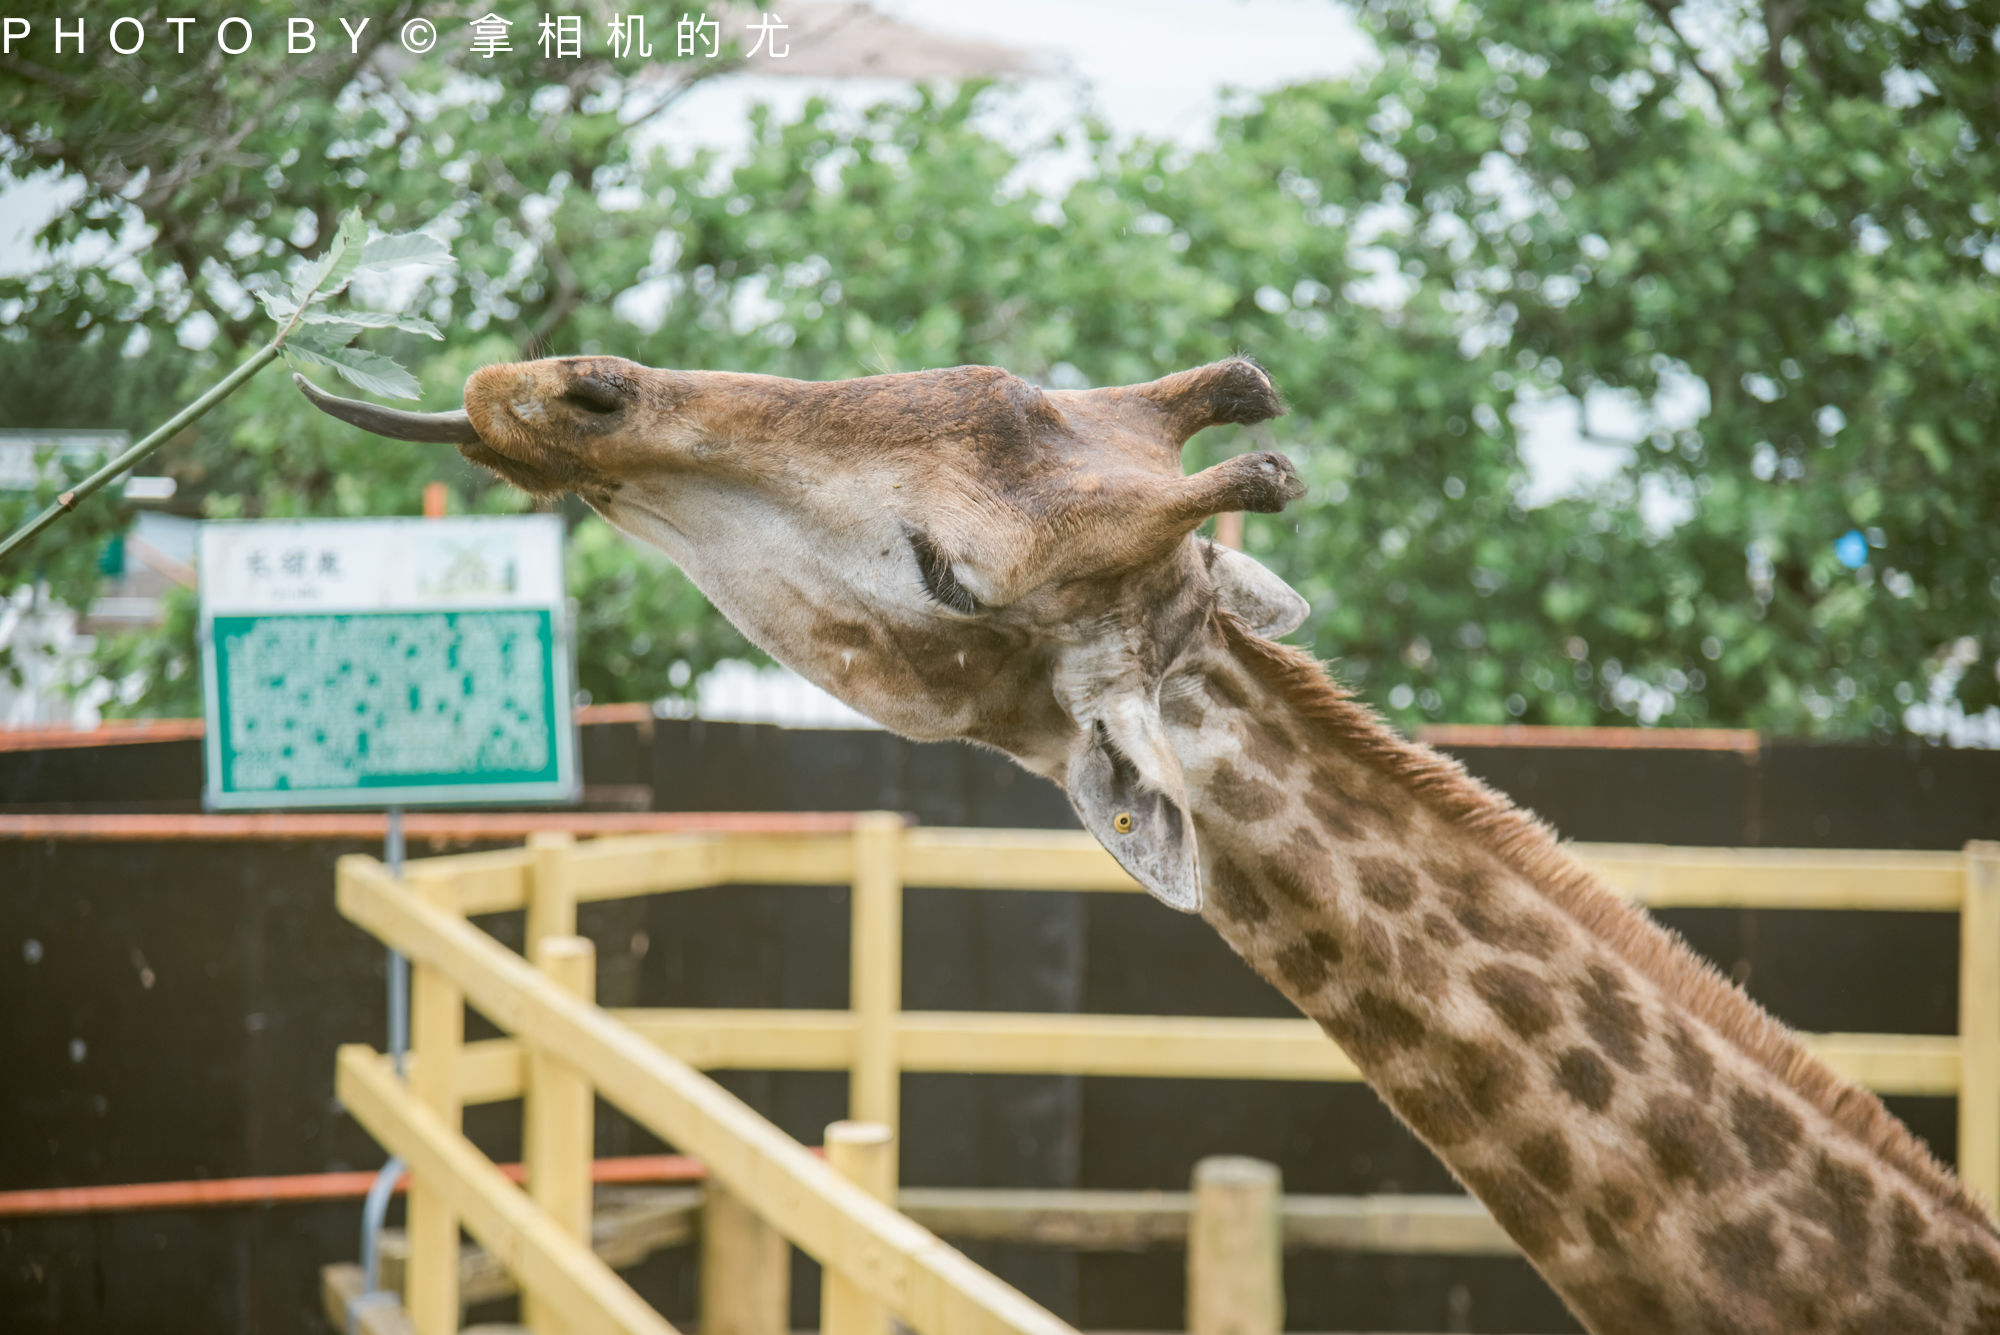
column 594, row 395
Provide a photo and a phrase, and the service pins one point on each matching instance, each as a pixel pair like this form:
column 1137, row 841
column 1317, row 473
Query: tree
column 183, row 218
column 1568, row 199
column 1798, row 215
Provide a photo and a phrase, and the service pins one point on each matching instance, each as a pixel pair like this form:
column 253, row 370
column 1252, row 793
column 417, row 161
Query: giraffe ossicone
column 960, row 554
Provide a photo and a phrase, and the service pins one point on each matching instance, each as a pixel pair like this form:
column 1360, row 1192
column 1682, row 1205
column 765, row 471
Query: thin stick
column 66, row 502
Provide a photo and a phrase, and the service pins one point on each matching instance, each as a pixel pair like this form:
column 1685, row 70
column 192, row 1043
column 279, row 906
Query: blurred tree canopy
column 1761, row 240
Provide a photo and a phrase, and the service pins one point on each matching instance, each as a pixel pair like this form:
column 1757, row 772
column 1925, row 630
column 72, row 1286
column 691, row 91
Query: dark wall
column 172, row 1010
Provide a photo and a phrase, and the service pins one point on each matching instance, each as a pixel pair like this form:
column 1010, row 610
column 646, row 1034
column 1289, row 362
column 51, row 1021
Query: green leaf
column 414, row 324
column 328, row 334
column 367, row 370
column 330, row 272
column 348, row 244
column 387, row 252
column 278, row 307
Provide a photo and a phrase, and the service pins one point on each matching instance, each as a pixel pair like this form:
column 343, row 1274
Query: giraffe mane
column 1526, row 845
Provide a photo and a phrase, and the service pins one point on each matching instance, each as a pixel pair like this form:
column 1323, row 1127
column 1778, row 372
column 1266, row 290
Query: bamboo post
column 877, row 970
column 1979, row 1023
column 551, row 896
column 437, row 1031
column 557, row 1121
column 1235, row 1249
column 179, row 422
column 865, row 1154
column 746, row 1269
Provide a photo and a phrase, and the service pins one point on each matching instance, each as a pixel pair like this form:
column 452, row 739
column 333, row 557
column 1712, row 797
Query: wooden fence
column 562, row 1051
column 643, row 1060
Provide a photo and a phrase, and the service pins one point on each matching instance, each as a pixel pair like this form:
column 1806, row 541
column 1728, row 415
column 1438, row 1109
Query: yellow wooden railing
column 643, row 1060
column 561, row 1050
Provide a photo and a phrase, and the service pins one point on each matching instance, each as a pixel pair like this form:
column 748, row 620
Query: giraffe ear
column 1126, row 785
column 1270, row 606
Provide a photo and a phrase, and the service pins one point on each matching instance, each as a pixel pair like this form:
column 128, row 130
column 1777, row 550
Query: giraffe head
column 955, row 553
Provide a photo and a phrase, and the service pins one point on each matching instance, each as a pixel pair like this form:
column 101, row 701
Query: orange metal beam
column 1622, row 739
column 296, row 1187
column 418, row 827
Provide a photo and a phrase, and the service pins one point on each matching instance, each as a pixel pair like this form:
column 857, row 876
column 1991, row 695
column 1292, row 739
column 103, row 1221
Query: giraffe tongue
column 452, row 428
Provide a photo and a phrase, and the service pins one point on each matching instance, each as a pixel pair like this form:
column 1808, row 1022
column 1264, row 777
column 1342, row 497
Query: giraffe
column 960, row 554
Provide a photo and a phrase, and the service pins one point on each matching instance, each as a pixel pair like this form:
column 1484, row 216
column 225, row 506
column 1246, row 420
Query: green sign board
column 379, row 662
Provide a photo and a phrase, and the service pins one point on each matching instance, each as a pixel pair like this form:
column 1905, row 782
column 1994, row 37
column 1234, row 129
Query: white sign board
column 371, row 662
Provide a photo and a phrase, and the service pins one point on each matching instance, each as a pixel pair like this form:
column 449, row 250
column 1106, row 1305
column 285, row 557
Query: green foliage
column 1808, row 231
column 1519, row 201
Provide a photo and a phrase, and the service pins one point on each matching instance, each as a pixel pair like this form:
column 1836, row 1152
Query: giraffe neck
column 1663, row 1152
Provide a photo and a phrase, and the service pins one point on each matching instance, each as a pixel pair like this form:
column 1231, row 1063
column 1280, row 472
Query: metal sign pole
column 376, row 1208
column 399, row 967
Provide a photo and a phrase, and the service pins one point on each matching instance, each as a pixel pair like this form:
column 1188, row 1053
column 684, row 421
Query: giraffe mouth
column 529, row 478
column 446, row 428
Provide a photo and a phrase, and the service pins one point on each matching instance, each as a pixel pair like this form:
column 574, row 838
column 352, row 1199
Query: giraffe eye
column 934, row 569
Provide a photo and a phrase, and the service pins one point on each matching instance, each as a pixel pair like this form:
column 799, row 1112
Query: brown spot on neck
column 1520, row 1205
column 1307, row 965
column 1768, row 1131
column 1386, row 882
column 1490, row 1077
column 1374, row 1026
column 1235, row 897
column 1582, row 1074
column 1525, row 1003
column 1612, row 1017
column 1421, row 966
column 1435, row 1110
column 1546, row 1156
column 1744, row 1252
column 1921, row 1266
column 1687, row 1147
column 1241, row 797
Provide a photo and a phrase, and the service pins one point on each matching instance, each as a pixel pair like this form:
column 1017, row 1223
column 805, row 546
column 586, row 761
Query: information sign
column 377, row 662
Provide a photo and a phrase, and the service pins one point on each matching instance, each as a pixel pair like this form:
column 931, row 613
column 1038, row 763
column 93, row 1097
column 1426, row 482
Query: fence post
column 865, row 1154
column 1979, row 1023
column 876, row 968
column 1236, row 1283
column 746, row 1269
column 437, row 1029
column 557, row 1123
column 551, row 899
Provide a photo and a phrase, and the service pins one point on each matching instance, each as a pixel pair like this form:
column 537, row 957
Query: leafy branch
column 310, row 330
